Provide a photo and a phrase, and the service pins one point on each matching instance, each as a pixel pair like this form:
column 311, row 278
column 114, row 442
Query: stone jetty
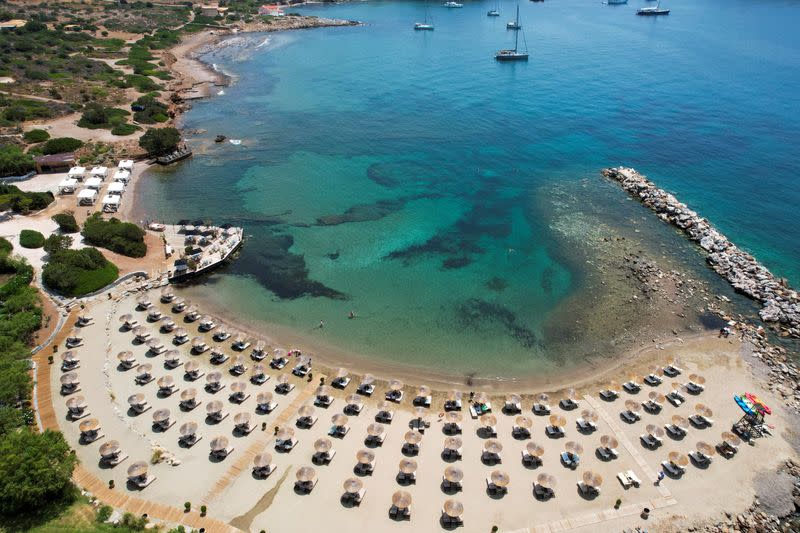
column 780, row 303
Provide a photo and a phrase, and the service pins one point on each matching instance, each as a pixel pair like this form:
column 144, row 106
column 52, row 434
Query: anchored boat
column 653, row 11
column 514, row 54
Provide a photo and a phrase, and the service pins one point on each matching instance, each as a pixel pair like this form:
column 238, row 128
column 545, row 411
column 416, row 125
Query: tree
column 66, row 222
column 61, row 145
column 35, row 469
column 160, row 141
column 35, row 136
column 29, row 238
column 55, row 243
column 13, row 162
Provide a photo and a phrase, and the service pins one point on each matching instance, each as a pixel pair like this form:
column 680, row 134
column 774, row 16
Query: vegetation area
column 14, row 110
column 160, row 141
column 14, row 162
column 11, row 197
column 148, row 110
column 35, row 136
column 121, row 237
column 78, row 272
column 66, row 222
column 29, row 238
column 60, row 145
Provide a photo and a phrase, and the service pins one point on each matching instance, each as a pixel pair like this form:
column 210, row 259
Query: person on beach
column 660, row 477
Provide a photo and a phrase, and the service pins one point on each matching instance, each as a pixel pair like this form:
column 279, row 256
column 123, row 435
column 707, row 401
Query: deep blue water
column 394, row 172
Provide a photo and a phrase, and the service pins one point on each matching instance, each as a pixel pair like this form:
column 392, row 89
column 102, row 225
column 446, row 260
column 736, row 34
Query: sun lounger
column 400, row 514
column 423, row 401
column 300, row 370
column 672, row 371
column 631, row 387
column 284, row 388
column 512, row 407
column 375, row 440
column 530, row 460
column 448, row 486
column 285, row 445
column 604, row 454
column 323, row 401
column 264, row 472
column 323, row 458
column 694, row 388
column 570, row 460
column 266, row 408
column 519, row 432
column 629, row 416
column 341, row 383
column 541, row 409
column 623, row 479
column 410, row 449
column 633, row 479
column 364, row 469
column 650, row 441
column 675, row 399
column 584, row 425
column 568, row 404
column 701, row 421
column 452, row 454
column 402, row 477
column 143, row 484
column 353, row 408
column 452, row 405
column 541, row 492
column 554, row 431
column 278, row 363
column 385, row 417
column 338, row 431
column 586, row 489
column 672, row 468
column 306, row 486
column 394, row 396
column 306, row 422
column 494, row 489
column 675, row 431
column 238, row 397
column 652, row 380
column 366, row 389
column 608, row 395
column 699, row 458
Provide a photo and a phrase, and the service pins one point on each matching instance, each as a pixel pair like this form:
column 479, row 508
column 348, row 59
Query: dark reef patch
column 497, row 284
column 547, row 280
column 368, row 212
column 474, row 313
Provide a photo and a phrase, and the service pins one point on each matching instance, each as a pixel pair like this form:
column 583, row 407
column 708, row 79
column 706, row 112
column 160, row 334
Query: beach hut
column 111, row 203
column 122, row 176
column 87, row 197
column 94, row 183
column 116, row 187
column 126, row 164
column 67, row 186
column 77, row 173
column 99, row 172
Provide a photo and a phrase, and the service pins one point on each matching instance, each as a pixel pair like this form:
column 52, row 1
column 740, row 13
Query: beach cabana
column 126, row 164
column 99, row 172
column 401, row 506
column 111, row 203
column 263, row 465
column 122, row 176
column 94, row 183
column 77, row 173
column 138, row 475
column 67, row 186
column 306, row 479
column 353, row 491
column 451, row 513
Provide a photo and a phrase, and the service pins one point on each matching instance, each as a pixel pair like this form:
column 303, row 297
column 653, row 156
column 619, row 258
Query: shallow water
column 395, row 173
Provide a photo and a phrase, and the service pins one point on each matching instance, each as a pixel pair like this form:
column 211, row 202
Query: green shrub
column 61, row 145
column 66, row 222
column 78, row 272
column 104, row 513
column 5, row 246
column 23, row 202
column 14, row 162
column 159, row 141
column 96, row 116
column 55, row 243
column 124, row 129
column 36, row 136
column 29, row 238
column 121, row 237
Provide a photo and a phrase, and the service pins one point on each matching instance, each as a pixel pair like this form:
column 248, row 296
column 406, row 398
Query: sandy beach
column 233, row 495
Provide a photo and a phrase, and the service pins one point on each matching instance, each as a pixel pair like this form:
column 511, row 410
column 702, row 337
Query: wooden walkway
column 88, row 481
column 245, row 460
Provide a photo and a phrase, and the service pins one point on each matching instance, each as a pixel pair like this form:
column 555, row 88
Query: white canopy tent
column 122, row 175
column 116, row 188
column 67, row 186
column 126, row 164
column 100, row 172
column 87, row 197
column 76, row 172
column 111, row 202
column 94, row 183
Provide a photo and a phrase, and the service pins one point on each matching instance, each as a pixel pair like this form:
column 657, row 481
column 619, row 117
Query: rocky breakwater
column 780, row 303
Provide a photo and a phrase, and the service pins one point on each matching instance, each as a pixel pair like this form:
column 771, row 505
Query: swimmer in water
column 351, row 314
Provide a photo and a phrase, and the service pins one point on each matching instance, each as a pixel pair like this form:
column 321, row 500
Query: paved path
column 262, row 441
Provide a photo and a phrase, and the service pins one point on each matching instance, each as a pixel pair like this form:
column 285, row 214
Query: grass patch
column 78, row 272
column 35, row 136
column 23, row 202
column 29, row 238
column 124, row 129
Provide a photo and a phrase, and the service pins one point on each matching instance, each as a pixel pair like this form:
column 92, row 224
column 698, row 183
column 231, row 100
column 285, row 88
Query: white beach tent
column 100, row 172
column 76, row 172
column 116, row 188
column 111, row 202
column 87, row 197
column 126, row 164
column 122, row 175
column 67, row 186
column 94, row 183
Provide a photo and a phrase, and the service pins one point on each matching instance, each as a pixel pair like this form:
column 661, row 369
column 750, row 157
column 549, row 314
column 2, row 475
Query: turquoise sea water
column 395, row 173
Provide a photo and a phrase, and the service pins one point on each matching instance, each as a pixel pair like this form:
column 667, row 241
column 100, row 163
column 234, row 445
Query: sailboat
column 424, row 25
column 652, row 11
column 515, row 54
column 514, row 24
column 616, row 2
column 493, row 12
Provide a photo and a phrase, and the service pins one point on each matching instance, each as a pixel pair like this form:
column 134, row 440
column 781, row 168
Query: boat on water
column 422, row 26
column 514, row 54
column 653, row 11
column 616, row 2
column 513, row 25
column 453, row 4
column 178, row 155
column 493, row 13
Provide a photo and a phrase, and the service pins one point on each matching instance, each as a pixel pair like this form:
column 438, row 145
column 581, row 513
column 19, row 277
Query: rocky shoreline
column 780, row 303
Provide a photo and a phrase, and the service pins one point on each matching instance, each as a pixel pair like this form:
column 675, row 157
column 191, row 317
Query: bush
column 120, row 237
column 66, row 222
column 14, row 162
column 149, row 110
column 5, row 246
column 23, row 202
column 29, row 238
column 96, row 116
column 104, row 513
column 160, row 141
column 61, row 145
column 35, row 136
column 124, row 129
column 78, row 272
column 55, row 243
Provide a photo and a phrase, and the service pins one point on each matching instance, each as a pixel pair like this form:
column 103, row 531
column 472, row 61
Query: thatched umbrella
column 188, row 428
column 635, row 378
column 453, row 417
column 323, row 445
column 678, row 458
column 492, row 446
column 192, row 366
column 354, row 399
column 375, row 430
column 242, row 419
column 214, row 377
column 126, row 356
column 238, row 360
column 161, row 415
column 70, row 378
column 144, row 369
column 260, row 346
column 731, row 439
column 306, row 411
column 137, row 470
column 680, row 421
column 651, row 429
column 110, row 448
column 238, row 387
column 589, row 415
column 407, row 466
column 697, row 379
column 454, row 396
column 136, row 399
column 614, row 386
column 89, row 425
column 569, row 394
column 353, row 485
column 482, row 398
column 167, row 294
column 703, row 410
column 143, row 301
column 422, row 413
column 656, row 397
column 179, row 302
column 500, row 478
column 547, row 481
column 172, row 355
column 285, row 433
column 453, row 474
column 124, row 319
column 452, row 443
column 368, row 379
column 592, row 479
column 342, row 373
column 656, row 370
column 524, row 422
column 167, row 323
column 219, row 444
column 401, row 499
column 543, row 398
column 258, row 370
column 140, row 331
column 262, row 460
column 221, row 331
column 283, row 379
column 575, row 448
column 214, row 407
column 558, row 421
column 263, row 398
column 633, row 406
column 513, row 398
column 533, row 449
column 339, row 420
column 305, row 474
column 412, row 437
column 323, row 391
column 607, row 441
column 423, row 391
column 197, row 343
column 365, row 457
column 76, row 403
column 69, row 357
column 488, row 420
column 166, row 382
column 395, row 384
column 453, row 508
column 385, row 407
column 705, row 448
